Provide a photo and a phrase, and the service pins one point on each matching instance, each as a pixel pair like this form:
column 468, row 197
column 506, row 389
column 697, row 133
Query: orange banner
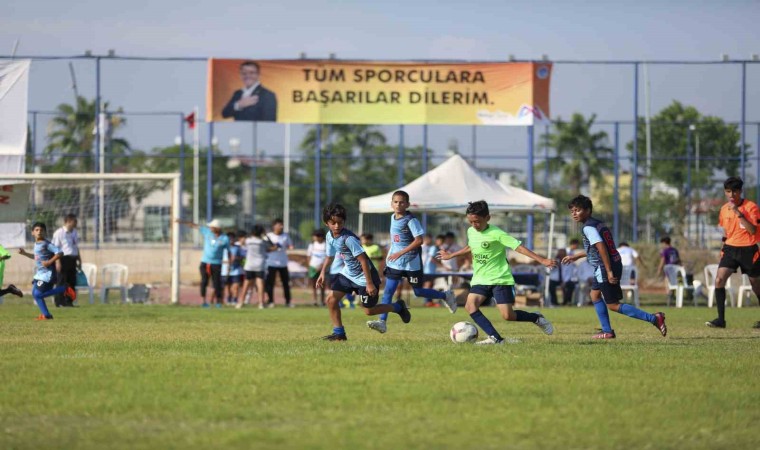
column 336, row 92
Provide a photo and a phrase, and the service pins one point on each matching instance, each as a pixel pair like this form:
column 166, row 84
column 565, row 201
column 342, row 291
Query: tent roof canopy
column 451, row 186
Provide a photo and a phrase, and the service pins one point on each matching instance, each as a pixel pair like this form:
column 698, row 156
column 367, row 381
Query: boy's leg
column 601, row 312
column 285, row 278
column 260, row 291
column 11, row 289
column 476, row 297
column 39, row 297
column 391, row 285
column 333, row 306
column 269, row 284
column 505, row 300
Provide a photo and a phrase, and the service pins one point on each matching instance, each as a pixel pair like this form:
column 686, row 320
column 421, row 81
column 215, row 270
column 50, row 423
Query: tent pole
column 549, row 255
column 361, row 223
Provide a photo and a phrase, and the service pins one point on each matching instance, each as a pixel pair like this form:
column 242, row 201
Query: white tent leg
column 549, row 255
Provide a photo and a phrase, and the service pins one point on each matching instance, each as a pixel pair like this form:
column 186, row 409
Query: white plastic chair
column 671, row 278
column 628, row 283
column 114, row 276
column 711, row 273
column 745, row 290
column 91, row 272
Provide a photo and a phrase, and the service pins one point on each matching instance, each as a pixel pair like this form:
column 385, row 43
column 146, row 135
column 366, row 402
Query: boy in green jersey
column 492, row 276
column 11, row 289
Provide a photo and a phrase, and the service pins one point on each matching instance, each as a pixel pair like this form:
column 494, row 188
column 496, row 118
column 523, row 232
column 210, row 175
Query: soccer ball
column 463, row 332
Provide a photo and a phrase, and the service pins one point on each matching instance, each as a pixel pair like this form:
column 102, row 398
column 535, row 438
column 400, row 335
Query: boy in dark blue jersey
column 602, row 254
column 405, row 261
column 358, row 274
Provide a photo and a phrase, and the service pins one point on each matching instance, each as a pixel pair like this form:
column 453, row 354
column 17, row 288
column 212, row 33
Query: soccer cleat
column 405, row 315
column 205, row 305
column 717, row 323
column 432, row 304
column 544, row 324
column 261, row 306
column 659, row 323
column 70, row 293
column 291, row 305
column 490, row 340
column 335, row 337
column 15, row 291
column 44, row 317
column 603, row 335
column 270, row 305
column 450, row 302
column 239, row 305
column 377, row 325
column 219, row 306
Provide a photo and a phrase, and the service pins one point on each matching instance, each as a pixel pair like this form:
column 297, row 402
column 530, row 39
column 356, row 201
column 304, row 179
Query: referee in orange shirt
column 740, row 218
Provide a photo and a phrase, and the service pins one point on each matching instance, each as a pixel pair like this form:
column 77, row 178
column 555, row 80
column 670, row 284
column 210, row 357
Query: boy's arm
column 417, row 243
column 188, row 223
column 52, row 260
column 602, row 249
column 546, row 262
column 444, row 255
column 572, row 258
column 325, row 265
column 364, row 261
column 23, row 252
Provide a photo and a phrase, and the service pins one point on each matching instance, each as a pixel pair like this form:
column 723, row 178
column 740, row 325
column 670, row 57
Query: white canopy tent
column 452, row 185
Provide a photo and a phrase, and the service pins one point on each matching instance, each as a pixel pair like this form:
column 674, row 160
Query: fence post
column 181, row 159
column 424, row 165
column 400, row 168
column 635, row 168
column 317, row 175
column 616, row 194
column 530, row 184
column 209, row 173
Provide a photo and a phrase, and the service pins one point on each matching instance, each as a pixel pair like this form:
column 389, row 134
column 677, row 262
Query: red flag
column 190, row 119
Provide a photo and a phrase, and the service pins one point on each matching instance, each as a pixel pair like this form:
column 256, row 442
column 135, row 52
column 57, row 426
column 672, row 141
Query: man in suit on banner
column 254, row 102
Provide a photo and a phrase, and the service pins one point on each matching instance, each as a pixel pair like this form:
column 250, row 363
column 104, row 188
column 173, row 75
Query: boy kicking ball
column 358, row 274
column 45, row 255
column 602, row 254
column 492, row 277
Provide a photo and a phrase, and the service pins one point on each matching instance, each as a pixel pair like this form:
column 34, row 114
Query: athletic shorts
column 251, row 275
column 415, row 277
column 43, row 286
column 314, row 272
column 342, row 284
column 503, row 294
column 234, row 279
column 745, row 258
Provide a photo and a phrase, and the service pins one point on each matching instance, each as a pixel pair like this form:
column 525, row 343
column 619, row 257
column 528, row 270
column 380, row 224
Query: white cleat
column 377, row 325
column 544, row 324
column 490, row 340
column 450, row 302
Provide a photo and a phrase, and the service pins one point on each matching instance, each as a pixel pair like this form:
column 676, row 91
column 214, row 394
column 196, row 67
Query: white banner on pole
column 14, row 97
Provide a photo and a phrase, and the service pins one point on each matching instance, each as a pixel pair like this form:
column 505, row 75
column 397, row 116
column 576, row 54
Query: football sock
column 4, row 291
column 720, row 302
column 390, row 288
column 396, row 308
column 339, row 330
column 429, row 293
column 524, row 316
column 603, row 315
column 632, row 311
column 485, row 324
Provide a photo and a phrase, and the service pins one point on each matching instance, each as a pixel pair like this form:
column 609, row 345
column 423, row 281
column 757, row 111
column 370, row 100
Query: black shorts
column 251, row 275
column 234, row 279
column 503, row 294
column 745, row 258
column 43, row 286
column 415, row 277
column 340, row 283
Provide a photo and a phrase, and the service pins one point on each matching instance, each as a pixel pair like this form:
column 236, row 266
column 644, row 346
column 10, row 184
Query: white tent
column 451, row 186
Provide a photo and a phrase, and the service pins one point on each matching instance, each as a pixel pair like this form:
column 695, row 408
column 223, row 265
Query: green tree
column 581, row 155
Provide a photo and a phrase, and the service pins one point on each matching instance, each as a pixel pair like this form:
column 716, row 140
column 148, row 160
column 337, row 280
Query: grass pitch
column 137, row 376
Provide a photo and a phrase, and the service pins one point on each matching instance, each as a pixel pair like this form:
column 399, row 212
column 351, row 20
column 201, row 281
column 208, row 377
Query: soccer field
column 137, row 376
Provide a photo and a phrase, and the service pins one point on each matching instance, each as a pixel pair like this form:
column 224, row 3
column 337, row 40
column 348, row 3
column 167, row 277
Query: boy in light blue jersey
column 358, row 274
column 45, row 255
column 404, row 260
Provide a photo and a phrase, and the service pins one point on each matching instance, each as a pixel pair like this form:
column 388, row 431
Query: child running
column 257, row 246
column 11, row 289
column 404, row 260
column 601, row 253
column 358, row 275
column 492, row 277
column 45, row 255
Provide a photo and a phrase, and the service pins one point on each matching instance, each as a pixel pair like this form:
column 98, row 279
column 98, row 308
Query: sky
column 391, row 30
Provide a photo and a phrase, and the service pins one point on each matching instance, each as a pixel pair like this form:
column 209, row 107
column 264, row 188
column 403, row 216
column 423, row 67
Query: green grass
column 136, row 376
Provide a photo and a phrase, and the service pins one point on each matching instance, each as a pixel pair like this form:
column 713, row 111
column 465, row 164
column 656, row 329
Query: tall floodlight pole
column 530, row 184
column 635, row 168
column 744, row 121
column 317, row 176
column 196, row 173
column 98, row 132
column 616, row 194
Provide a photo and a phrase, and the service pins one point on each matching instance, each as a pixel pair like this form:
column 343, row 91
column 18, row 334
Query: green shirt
column 489, row 258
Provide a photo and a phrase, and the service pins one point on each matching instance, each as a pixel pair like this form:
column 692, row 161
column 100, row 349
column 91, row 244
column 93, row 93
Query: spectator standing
column 317, row 253
column 67, row 239
column 630, row 258
column 277, row 262
column 668, row 254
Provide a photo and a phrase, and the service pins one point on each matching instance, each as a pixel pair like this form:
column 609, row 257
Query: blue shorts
column 611, row 293
column 503, row 294
column 342, row 284
column 415, row 277
column 234, row 279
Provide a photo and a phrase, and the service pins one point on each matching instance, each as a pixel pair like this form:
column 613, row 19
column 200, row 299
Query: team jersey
column 403, row 232
column 736, row 234
column 256, row 254
column 428, row 258
column 44, row 251
column 347, row 247
column 489, row 259
column 317, row 254
column 595, row 231
column 213, row 246
column 236, row 260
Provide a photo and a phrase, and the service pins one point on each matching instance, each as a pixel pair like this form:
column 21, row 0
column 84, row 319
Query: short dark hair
column 368, row 236
column 733, row 183
column 333, row 210
column 277, row 220
column 258, row 230
column 39, row 224
column 449, row 234
column 241, row 234
column 69, row 217
column 440, row 236
column 401, row 193
column 575, row 241
column 581, row 202
column 231, row 234
column 478, row 208
column 665, row 240
column 318, row 232
column 250, row 63
column 623, row 244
